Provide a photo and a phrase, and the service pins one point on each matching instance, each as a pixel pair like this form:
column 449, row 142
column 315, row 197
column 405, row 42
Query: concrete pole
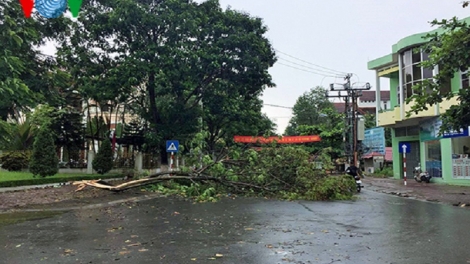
column 435, row 71
column 138, row 162
column 404, row 167
column 400, row 85
column 378, row 98
column 89, row 168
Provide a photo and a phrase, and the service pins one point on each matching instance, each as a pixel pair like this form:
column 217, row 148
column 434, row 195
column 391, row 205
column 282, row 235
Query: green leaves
column 314, row 114
column 450, row 50
column 25, row 75
column 162, row 58
column 312, row 108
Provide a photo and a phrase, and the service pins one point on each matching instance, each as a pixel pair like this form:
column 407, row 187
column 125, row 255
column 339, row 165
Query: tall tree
column 450, row 50
column 166, row 55
column 309, row 110
column 229, row 111
column 27, row 78
column 314, row 114
column 330, row 127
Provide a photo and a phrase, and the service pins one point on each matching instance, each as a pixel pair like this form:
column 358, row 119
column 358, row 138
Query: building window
column 413, row 73
column 407, row 131
column 464, row 84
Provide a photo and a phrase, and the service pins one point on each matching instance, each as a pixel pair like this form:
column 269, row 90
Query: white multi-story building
column 367, row 102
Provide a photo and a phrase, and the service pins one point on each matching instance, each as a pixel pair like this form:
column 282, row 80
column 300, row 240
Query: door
column 412, row 159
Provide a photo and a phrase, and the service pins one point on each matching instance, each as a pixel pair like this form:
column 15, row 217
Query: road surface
column 375, row 228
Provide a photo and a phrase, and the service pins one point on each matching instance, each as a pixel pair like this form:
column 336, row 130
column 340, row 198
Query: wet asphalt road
column 376, row 228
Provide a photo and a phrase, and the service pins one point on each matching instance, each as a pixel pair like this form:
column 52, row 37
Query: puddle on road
column 19, row 217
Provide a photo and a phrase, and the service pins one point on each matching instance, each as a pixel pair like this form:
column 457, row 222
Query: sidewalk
column 440, row 193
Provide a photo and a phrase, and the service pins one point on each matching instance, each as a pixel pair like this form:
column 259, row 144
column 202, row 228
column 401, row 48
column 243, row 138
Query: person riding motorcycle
column 353, row 171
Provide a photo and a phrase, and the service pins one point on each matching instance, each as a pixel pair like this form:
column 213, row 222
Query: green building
column 445, row 157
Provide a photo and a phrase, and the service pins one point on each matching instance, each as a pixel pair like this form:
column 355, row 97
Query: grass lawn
column 20, row 175
column 13, row 178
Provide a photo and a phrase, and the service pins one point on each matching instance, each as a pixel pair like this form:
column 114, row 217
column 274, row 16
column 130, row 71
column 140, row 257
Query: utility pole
column 201, row 123
column 351, row 111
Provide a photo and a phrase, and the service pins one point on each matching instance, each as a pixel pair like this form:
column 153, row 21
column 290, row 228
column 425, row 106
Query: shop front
column 460, row 142
column 446, row 155
column 431, row 140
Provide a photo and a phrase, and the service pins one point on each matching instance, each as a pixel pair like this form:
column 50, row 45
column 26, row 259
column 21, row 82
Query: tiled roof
column 372, row 154
column 388, row 154
column 340, row 108
column 370, row 96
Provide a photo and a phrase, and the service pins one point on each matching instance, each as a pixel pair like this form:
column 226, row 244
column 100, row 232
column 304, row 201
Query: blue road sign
column 172, row 145
column 404, row 147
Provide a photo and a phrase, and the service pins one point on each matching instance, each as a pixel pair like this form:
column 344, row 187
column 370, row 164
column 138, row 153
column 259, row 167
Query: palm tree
column 17, row 135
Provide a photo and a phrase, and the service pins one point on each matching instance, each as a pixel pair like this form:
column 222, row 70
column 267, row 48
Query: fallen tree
column 285, row 172
column 159, row 177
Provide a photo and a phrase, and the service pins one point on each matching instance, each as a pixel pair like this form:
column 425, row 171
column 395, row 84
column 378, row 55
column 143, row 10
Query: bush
column 103, row 162
column 384, row 172
column 14, row 161
column 44, row 161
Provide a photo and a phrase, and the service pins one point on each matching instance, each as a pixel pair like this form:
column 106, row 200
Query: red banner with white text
column 279, row 140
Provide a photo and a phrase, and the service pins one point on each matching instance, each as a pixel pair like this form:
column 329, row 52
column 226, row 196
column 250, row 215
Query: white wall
column 373, row 104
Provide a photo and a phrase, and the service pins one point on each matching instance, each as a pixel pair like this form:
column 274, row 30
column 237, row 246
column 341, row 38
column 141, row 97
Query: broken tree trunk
column 154, row 178
column 162, row 176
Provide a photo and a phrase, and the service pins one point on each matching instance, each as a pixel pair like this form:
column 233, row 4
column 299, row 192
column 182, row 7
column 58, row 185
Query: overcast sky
column 342, row 35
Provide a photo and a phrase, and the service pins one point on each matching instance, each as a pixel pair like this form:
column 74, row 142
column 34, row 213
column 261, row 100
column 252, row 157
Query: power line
column 279, row 106
column 328, row 72
column 305, row 70
column 338, row 72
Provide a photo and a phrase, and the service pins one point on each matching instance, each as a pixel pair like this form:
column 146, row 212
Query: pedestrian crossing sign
column 172, row 145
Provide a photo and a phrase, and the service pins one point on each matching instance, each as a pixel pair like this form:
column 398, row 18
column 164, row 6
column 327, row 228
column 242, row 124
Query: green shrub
column 103, row 162
column 44, row 161
column 333, row 188
column 384, row 173
column 15, row 160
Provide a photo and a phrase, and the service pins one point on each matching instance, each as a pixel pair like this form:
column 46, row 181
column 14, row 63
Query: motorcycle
column 356, row 178
column 358, row 183
column 421, row 176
